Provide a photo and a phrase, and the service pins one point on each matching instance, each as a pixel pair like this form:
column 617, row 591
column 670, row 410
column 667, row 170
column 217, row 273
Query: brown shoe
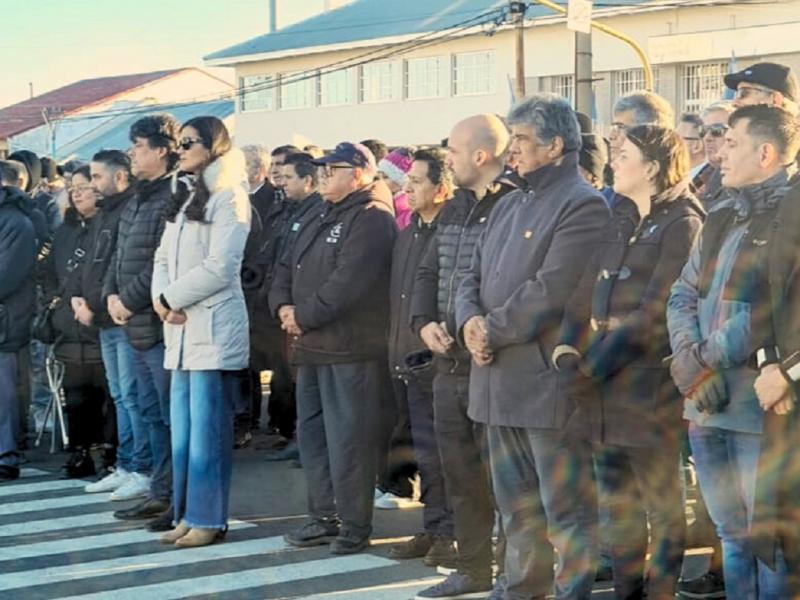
column 199, row 536
column 174, row 535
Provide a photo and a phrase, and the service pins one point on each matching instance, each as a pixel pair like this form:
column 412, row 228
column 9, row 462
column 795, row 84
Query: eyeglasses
column 716, row 130
column 327, row 170
column 618, row 127
column 744, row 91
column 187, row 143
column 80, row 189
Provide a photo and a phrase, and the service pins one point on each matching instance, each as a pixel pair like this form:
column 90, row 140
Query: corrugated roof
column 375, row 19
column 116, row 136
column 26, row 115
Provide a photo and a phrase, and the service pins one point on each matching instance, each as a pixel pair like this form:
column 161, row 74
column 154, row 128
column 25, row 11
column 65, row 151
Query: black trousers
column 462, row 446
column 89, row 408
column 396, row 461
column 282, row 408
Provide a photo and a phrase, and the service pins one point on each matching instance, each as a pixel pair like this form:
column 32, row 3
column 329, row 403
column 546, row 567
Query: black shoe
column 8, row 473
column 313, row 533
column 349, row 545
column 604, row 573
column 442, row 553
column 416, row 547
column 162, row 522
column 79, row 464
column 288, row 452
column 458, row 585
column 709, row 585
column 144, row 510
column 242, row 439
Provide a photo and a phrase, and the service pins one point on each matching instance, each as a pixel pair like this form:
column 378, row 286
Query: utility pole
column 583, row 73
column 517, row 10
column 273, row 16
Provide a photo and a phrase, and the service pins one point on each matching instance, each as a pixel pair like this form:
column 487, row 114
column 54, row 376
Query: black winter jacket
column 448, row 256
column 617, row 321
column 337, row 275
column 99, row 251
column 17, row 262
column 410, row 247
column 131, row 271
column 75, row 343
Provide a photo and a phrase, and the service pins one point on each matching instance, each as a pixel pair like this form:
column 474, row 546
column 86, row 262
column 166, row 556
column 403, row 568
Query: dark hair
column 115, row 160
column 285, row 150
column 438, row 172
column 771, row 124
column 84, row 171
column 666, row 148
column 49, row 168
column 160, row 131
column 11, row 171
column 302, row 165
column 692, row 119
column 215, row 138
column 378, row 149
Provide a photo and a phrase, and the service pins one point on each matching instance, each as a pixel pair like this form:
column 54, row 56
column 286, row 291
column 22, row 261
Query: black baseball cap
column 770, row 75
column 356, row 155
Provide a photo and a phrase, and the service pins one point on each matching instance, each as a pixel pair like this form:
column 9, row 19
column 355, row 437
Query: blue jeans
column 726, row 463
column 40, row 388
column 9, row 409
column 202, row 446
column 152, row 380
column 133, row 449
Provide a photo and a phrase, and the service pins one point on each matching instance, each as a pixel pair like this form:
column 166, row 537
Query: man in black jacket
column 111, row 180
column 508, row 319
column 127, row 289
column 475, row 153
column 331, row 294
column 429, row 185
column 17, row 261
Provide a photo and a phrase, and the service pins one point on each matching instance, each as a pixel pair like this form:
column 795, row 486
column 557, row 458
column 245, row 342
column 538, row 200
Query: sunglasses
column 187, row 143
column 717, row 130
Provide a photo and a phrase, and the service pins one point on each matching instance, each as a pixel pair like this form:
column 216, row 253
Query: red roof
column 26, row 115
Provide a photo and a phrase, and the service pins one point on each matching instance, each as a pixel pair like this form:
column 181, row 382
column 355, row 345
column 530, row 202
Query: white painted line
column 402, row 590
column 91, row 542
column 230, row 582
column 47, row 525
column 41, row 486
column 25, row 473
column 143, row 562
column 53, row 503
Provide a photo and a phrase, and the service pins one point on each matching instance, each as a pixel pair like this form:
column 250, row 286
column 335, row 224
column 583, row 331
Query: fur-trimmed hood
column 227, row 171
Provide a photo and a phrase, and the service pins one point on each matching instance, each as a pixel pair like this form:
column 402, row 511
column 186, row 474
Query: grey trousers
column 337, row 427
column 545, row 490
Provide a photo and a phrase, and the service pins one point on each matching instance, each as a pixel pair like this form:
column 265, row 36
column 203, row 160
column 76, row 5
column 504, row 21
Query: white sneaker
column 110, row 482
column 137, row 486
column 377, row 494
column 390, row 501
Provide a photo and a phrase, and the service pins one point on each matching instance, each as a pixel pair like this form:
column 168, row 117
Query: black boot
column 79, row 464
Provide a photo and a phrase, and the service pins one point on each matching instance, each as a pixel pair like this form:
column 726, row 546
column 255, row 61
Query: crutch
column 55, row 408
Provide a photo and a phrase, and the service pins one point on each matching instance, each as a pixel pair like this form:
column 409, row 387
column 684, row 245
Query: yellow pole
column 648, row 70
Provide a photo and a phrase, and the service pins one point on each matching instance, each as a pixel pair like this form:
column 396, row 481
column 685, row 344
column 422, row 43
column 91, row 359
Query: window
column 424, row 78
column 297, row 90
column 564, row 86
column 702, row 85
column 473, row 73
column 336, row 88
column 378, row 82
column 256, row 92
column 632, row 80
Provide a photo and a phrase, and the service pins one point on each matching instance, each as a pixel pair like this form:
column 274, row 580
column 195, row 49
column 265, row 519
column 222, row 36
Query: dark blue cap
column 356, row 155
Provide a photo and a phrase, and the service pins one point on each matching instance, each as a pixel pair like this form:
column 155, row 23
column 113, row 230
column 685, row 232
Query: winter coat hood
column 32, row 164
column 227, row 171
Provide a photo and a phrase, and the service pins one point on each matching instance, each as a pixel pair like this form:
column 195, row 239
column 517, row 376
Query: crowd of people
column 540, row 328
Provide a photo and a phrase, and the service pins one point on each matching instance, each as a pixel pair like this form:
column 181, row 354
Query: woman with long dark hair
column 616, row 335
column 197, row 292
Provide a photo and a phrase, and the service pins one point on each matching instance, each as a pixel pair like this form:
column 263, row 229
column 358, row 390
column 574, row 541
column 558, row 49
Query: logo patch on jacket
column 334, row 234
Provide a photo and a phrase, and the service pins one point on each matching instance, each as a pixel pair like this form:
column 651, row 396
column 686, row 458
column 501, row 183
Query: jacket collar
column 548, row 175
column 109, row 203
column 761, row 196
column 145, row 189
column 15, row 197
column 369, row 194
column 227, row 171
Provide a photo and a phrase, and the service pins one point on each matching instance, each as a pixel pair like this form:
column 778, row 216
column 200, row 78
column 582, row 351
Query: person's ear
column 556, row 147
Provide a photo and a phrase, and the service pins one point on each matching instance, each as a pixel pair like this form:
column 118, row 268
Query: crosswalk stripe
column 48, row 525
column 230, row 582
column 26, row 473
column 141, row 562
column 41, row 486
column 391, row 591
column 105, row 540
column 52, row 503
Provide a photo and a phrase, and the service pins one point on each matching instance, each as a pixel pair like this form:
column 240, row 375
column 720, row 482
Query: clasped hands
column 173, row 317
column 476, row 338
column 287, row 319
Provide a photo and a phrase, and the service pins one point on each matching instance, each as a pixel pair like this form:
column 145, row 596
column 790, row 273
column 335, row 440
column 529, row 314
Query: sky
column 56, row 42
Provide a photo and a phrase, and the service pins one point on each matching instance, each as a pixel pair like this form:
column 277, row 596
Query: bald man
column 475, row 153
